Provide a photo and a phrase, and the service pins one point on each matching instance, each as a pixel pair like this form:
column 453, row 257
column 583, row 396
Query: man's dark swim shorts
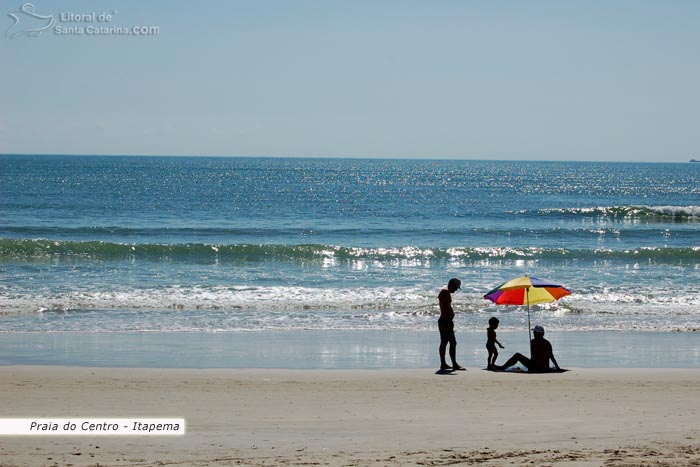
column 447, row 329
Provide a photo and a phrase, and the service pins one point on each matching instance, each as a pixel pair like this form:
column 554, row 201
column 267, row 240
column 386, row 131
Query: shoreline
column 605, row 416
column 338, row 349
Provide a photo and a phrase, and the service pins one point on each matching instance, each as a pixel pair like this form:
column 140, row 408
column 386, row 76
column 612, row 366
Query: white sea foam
column 241, row 308
column 219, row 298
column 692, row 212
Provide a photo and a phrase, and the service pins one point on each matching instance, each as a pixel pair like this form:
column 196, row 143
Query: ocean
column 96, row 248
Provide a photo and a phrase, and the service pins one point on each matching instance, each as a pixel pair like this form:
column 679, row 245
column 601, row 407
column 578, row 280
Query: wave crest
column 37, row 250
column 661, row 213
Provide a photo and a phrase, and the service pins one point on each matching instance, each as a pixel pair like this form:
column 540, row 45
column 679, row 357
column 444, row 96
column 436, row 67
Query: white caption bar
column 92, row 426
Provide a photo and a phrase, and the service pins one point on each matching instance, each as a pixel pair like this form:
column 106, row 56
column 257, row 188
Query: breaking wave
column 29, row 250
column 648, row 213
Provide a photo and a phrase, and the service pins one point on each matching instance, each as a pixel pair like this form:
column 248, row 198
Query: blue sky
column 543, row 80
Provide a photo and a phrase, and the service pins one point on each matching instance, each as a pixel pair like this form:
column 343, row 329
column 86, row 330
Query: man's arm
column 554, row 360
column 556, row 365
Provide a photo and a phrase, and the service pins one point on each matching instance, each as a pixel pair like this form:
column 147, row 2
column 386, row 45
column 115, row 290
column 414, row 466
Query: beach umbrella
column 527, row 290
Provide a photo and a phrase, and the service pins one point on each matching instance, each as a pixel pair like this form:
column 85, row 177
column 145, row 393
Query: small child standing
column 491, row 342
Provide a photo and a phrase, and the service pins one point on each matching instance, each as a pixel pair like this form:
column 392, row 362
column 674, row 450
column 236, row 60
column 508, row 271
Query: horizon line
column 343, row 157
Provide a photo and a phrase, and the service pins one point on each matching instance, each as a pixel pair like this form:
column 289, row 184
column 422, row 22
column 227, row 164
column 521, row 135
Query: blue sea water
column 104, row 245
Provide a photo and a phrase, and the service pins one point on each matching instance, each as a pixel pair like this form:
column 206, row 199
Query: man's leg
column 453, row 354
column 516, row 358
column 444, row 340
column 443, row 348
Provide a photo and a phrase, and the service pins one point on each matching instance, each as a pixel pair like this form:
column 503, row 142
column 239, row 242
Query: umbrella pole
column 529, row 328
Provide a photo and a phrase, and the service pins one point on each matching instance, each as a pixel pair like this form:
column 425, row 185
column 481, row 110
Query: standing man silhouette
column 447, row 327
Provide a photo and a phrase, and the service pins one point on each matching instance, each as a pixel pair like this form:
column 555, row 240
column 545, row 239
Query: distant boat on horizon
column 693, row 160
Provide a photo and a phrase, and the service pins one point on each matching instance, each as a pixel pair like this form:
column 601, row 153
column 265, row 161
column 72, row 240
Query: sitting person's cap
column 538, row 328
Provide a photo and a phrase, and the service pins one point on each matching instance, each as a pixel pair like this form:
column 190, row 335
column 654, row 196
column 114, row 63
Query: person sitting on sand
column 540, row 355
column 447, row 327
column 491, row 342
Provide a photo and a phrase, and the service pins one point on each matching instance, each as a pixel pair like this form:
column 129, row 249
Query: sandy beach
column 586, row 417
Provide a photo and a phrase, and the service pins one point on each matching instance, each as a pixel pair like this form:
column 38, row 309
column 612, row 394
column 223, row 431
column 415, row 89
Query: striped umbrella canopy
column 527, row 290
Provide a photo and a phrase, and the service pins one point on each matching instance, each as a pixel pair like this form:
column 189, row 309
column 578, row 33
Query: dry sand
column 586, row 417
